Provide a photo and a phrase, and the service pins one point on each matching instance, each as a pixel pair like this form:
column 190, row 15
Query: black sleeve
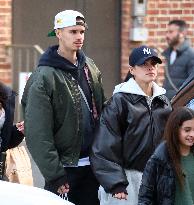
column 55, row 184
column 106, row 156
column 16, row 137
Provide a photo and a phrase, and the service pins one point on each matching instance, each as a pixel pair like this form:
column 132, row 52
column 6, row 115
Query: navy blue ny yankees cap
column 141, row 54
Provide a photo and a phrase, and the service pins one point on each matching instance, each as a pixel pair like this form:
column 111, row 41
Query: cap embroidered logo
column 146, row 51
column 59, row 21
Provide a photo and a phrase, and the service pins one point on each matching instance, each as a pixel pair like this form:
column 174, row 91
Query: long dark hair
column 171, row 135
column 3, row 95
column 128, row 76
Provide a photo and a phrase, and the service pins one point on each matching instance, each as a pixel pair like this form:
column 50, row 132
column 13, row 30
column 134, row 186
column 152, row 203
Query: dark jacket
column 54, row 113
column 180, row 69
column 127, row 135
column 10, row 137
column 158, row 182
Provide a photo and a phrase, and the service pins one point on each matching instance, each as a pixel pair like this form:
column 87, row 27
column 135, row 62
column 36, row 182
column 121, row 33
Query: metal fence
column 23, row 60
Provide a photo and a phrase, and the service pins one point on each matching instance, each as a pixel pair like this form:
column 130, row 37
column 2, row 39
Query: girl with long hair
column 168, row 178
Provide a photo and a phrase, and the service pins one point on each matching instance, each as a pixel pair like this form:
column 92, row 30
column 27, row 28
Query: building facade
column 110, row 23
column 158, row 14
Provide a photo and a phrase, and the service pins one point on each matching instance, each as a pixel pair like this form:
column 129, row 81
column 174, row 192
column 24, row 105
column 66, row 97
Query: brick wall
column 5, row 39
column 159, row 13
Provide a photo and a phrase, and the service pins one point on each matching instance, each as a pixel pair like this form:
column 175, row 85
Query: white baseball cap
column 65, row 19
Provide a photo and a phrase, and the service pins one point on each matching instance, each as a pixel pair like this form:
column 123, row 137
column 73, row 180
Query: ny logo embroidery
column 146, row 51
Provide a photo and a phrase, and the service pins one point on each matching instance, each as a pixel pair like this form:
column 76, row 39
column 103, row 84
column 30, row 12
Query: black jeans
column 83, row 186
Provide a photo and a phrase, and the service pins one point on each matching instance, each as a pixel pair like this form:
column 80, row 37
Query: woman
column 131, row 126
column 168, row 178
column 10, row 135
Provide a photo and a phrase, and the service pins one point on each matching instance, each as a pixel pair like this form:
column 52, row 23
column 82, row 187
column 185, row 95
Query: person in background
column 10, row 135
column 62, row 102
column 131, row 126
column 168, row 178
column 179, row 57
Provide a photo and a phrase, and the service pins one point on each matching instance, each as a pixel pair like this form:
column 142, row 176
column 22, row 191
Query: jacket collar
column 185, row 45
column 132, row 87
column 135, row 98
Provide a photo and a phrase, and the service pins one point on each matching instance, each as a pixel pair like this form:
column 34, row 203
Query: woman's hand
column 20, row 126
column 120, row 196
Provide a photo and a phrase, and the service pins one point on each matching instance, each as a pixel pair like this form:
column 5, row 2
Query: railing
column 23, row 59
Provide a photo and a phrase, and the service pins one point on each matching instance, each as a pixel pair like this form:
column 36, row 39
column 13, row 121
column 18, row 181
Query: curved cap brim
column 142, row 61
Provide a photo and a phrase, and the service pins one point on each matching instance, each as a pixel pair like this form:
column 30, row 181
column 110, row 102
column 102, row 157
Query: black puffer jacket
column 158, row 182
column 128, row 133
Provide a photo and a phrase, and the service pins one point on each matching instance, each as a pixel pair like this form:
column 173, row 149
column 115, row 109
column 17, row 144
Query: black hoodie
column 53, row 59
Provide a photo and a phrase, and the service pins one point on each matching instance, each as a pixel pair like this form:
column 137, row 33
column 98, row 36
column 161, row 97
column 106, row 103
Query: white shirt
column 173, row 56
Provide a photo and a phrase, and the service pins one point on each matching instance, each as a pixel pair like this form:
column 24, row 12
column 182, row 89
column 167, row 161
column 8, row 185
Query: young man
column 179, row 56
column 62, row 101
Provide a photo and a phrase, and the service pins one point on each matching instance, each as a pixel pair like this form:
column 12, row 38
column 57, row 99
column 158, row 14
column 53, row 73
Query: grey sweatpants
column 134, row 178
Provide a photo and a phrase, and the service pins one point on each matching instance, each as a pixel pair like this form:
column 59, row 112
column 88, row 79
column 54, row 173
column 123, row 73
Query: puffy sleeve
column 106, row 157
column 39, row 129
